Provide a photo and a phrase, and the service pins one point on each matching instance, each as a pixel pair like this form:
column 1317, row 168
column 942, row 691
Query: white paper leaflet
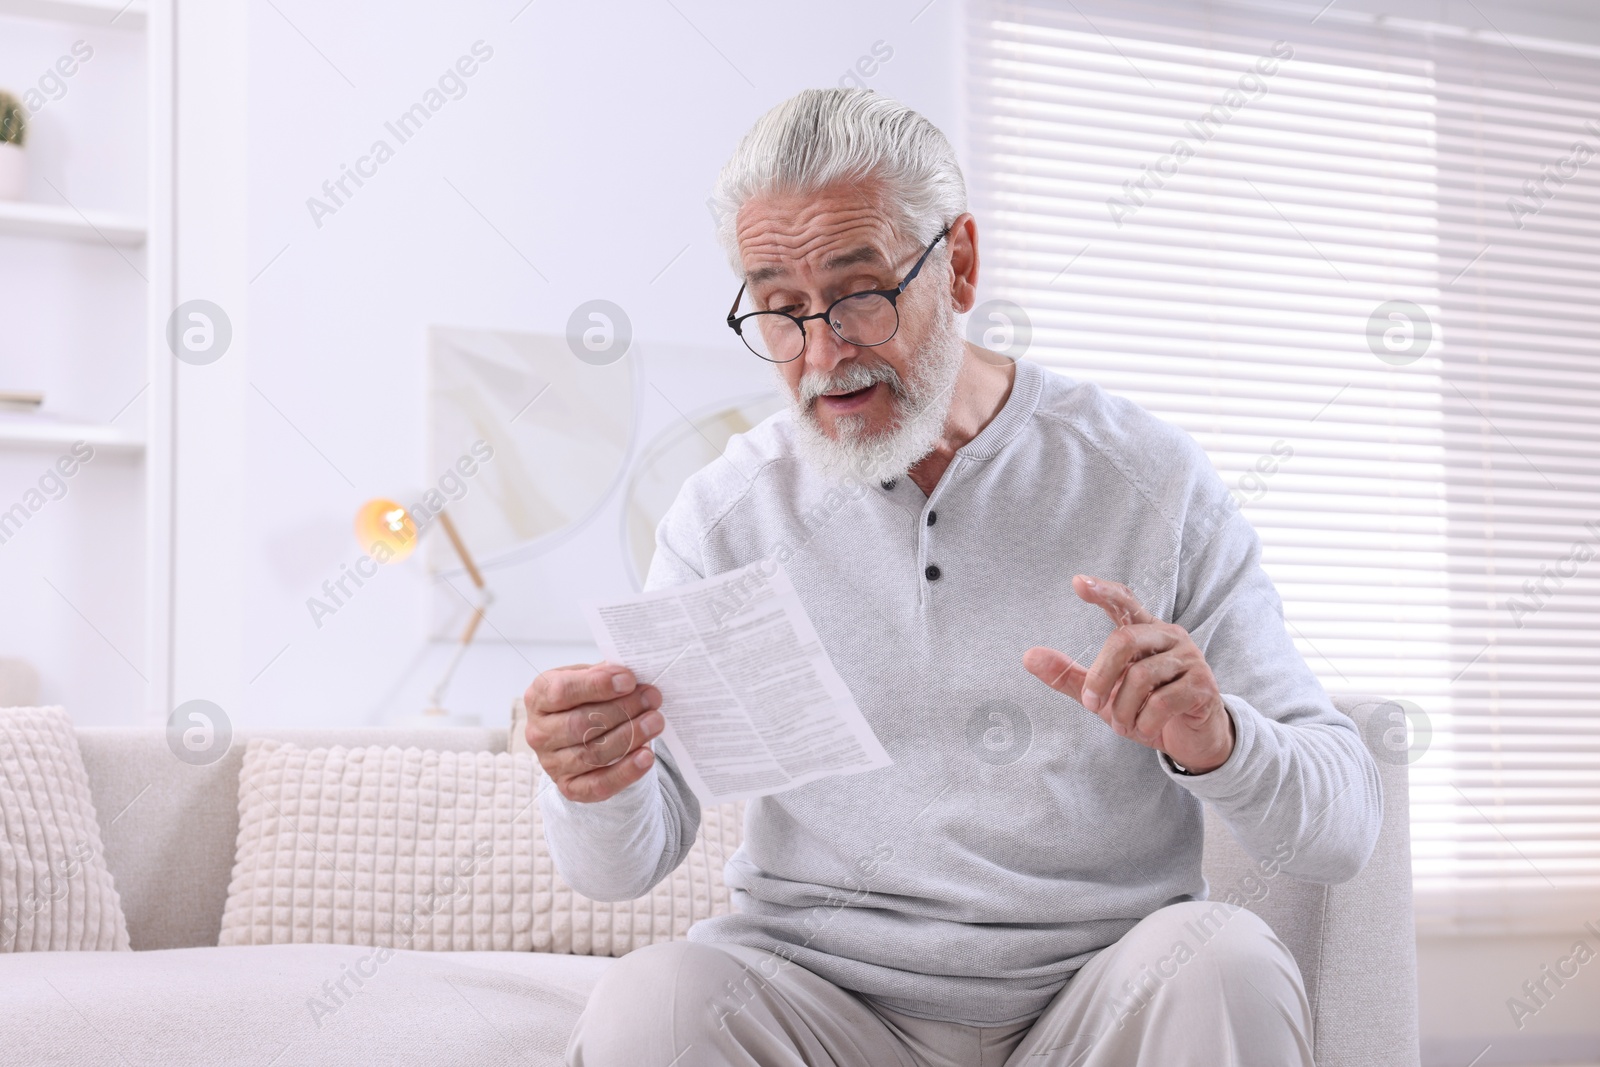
column 752, row 703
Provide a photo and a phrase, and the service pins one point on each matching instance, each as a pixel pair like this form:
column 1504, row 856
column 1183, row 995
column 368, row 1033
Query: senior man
column 1053, row 617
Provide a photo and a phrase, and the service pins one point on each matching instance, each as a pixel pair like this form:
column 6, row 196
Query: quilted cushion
column 418, row 849
column 55, row 890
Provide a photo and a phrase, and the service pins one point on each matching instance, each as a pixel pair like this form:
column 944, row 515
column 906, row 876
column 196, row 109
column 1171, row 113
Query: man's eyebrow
column 864, row 254
column 765, row 274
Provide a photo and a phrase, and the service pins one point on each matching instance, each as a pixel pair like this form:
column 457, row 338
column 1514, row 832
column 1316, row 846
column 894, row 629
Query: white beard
column 922, row 405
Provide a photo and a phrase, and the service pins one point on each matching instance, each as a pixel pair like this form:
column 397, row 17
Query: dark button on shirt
column 932, row 572
column 933, row 517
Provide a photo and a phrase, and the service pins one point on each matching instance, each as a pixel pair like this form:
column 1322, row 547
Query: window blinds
column 1357, row 259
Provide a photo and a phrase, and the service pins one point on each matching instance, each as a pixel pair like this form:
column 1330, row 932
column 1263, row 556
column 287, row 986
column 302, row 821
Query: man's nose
column 825, row 349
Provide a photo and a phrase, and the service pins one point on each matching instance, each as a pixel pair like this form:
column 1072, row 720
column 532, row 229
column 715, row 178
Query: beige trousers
column 1196, row 984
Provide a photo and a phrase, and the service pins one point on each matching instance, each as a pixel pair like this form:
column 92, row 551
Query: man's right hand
column 591, row 726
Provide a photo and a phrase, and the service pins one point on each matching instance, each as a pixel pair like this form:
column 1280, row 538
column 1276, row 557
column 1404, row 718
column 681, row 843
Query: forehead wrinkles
column 801, row 241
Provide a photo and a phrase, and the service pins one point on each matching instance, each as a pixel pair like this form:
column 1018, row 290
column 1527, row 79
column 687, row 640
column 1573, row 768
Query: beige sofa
column 169, row 832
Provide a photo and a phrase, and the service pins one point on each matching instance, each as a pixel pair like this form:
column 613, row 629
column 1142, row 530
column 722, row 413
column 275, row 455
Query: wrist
column 1211, row 761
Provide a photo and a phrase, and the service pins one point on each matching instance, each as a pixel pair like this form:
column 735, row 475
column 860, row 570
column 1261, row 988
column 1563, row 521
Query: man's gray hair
column 820, row 137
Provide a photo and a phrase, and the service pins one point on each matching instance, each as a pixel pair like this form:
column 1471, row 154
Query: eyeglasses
column 868, row 318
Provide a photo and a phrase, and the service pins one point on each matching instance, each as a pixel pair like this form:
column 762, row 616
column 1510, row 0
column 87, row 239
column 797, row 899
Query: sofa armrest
column 1355, row 941
column 1367, row 1009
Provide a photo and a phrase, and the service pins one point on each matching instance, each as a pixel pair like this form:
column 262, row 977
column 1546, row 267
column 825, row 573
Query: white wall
column 1465, row 983
column 589, row 141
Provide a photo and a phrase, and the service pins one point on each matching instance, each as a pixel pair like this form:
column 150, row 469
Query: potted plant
column 13, row 133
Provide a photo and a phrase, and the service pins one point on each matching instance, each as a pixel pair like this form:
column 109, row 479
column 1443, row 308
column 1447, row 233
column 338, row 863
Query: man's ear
column 963, row 241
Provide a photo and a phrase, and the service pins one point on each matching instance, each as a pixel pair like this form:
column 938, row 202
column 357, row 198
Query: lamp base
column 431, row 717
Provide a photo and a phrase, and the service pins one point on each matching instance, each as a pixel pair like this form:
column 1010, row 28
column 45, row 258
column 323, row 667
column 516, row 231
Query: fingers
column 1133, row 711
column 561, row 688
column 611, row 737
column 1147, row 673
column 594, row 735
column 585, row 725
column 1056, row 669
column 606, row 782
column 1116, row 599
column 604, row 745
column 590, row 727
column 1125, row 645
column 1065, row 675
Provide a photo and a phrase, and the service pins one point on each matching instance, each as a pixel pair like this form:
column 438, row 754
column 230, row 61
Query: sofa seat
column 254, row 1005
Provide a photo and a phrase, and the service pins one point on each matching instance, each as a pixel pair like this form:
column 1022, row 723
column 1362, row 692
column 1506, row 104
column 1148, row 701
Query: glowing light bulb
column 385, row 530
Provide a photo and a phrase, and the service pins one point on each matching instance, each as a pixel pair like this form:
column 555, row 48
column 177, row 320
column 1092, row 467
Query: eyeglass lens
column 862, row 319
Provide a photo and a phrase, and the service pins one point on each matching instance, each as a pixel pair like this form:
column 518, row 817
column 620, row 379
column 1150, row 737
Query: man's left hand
column 1150, row 681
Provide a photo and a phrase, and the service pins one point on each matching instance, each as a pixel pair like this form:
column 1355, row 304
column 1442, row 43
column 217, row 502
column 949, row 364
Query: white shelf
column 23, row 432
column 22, row 218
column 122, row 16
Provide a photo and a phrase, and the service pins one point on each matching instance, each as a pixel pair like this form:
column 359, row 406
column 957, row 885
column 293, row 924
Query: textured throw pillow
column 693, row 892
column 55, row 890
column 584, row 927
column 406, row 848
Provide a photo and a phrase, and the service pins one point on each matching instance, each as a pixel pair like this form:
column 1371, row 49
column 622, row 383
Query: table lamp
column 390, row 534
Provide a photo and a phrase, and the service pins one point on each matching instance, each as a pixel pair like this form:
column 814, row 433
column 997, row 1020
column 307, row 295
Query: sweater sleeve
column 622, row 847
column 1300, row 781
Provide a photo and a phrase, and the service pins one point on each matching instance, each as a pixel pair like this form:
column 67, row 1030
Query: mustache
column 848, row 378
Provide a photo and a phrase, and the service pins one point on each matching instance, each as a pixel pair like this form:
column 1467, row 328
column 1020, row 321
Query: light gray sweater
column 1016, row 834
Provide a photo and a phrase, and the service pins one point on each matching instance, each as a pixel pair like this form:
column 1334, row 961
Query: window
column 1358, row 260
